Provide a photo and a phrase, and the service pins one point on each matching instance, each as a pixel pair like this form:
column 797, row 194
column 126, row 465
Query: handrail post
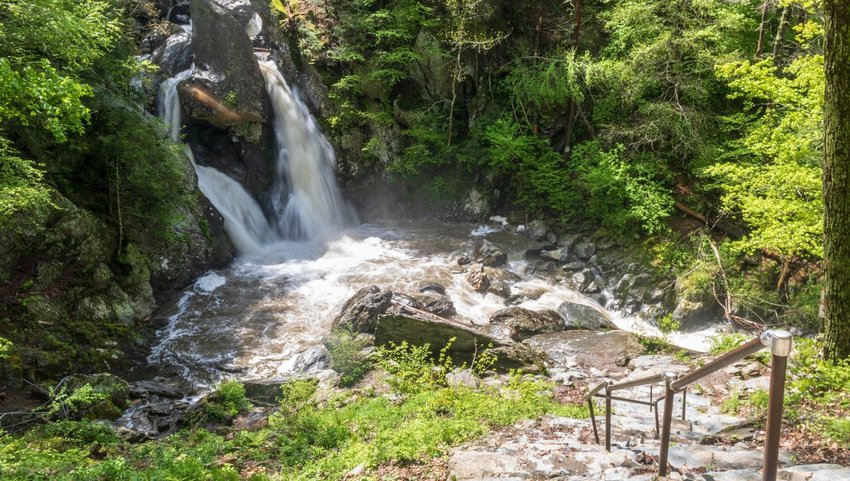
column 593, row 420
column 608, row 415
column 669, row 394
column 779, row 341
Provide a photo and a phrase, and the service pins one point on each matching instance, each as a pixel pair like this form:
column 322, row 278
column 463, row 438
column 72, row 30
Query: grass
column 305, row 439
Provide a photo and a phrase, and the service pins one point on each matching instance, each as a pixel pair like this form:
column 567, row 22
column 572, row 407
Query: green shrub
column 227, row 401
column 724, row 342
column 346, row 356
column 623, row 193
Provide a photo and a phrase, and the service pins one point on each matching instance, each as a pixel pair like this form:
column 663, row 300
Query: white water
column 244, row 221
column 313, row 208
column 265, row 316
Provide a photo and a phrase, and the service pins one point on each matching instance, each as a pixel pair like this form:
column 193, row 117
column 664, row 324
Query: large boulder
column 524, row 323
column 403, row 324
column 488, row 254
column 581, row 316
column 360, row 313
column 226, row 88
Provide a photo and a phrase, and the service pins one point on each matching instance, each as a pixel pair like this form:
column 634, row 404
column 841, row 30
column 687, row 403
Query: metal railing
column 777, row 341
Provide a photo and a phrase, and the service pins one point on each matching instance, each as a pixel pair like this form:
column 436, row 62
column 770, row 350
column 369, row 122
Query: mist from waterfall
column 313, row 206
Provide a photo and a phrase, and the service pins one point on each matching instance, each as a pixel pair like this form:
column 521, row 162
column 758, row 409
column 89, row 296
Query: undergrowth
column 310, row 436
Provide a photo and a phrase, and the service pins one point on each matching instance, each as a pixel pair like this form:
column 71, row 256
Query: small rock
column 462, row 260
column 463, row 377
column 500, row 288
column 477, row 278
column 573, row 266
column 432, row 286
column 437, row 304
column 584, row 250
column 526, row 323
column 537, row 230
column 489, row 255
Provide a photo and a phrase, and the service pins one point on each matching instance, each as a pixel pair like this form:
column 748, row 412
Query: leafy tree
column 771, row 175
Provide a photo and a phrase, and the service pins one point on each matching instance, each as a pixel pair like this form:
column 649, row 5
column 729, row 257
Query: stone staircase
column 565, row 449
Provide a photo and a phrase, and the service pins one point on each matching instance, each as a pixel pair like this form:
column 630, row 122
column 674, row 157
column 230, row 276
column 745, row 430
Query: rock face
column 360, row 313
column 524, row 323
column 227, row 88
column 580, row 316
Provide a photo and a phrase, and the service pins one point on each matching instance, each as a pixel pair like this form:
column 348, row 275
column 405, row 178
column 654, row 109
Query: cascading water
column 265, row 316
column 244, row 221
column 313, row 206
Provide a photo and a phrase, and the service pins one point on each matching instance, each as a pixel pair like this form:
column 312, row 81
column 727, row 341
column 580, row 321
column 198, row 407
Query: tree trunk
column 836, row 180
column 780, row 35
column 764, row 9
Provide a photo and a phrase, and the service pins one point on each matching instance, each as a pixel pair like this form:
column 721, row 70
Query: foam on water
column 267, row 314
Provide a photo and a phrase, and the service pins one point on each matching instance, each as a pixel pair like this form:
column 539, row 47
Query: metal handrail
column 778, row 341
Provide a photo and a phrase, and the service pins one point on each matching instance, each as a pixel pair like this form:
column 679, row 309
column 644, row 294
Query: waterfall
column 313, row 206
column 244, row 221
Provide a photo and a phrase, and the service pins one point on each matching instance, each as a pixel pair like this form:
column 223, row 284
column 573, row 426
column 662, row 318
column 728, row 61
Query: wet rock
column 153, row 418
column 695, row 313
column 437, row 304
column 573, row 266
column 404, row 299
column 537, row 230
column 174, row 54
column 227, row 87
column 161, row 388
column 478, row 278
column 488, row 254
column 581, row 316
column 252, row 421
column 525, row 323
column 557, row 255
column 475, row 206
column 360, row 312
column 264, row 390
column 584, row 250
column 463, row 260
column 590, row 288
column 433, row 287
column 499, row 288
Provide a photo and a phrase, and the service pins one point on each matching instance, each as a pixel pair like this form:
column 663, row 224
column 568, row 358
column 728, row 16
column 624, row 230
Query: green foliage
column 67, row 404
column 23, row 197
column 623, row 193
column 227, row 401
column 772, row 175
column 413, row 368
column 6, row 348
column 815, row 380
column 538, row 178
column 724, row 342
column 667, row 324
column 346, row 350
